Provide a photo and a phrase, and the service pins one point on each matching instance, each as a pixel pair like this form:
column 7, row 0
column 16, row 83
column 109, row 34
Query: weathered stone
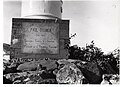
column 28, row 66
column 72, row 72
column 44, row 63
column 48, row 63
column 53, row 48
column 92, row 72
column 69, row 74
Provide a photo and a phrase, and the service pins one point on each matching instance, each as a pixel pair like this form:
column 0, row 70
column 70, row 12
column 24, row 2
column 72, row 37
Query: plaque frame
column 16, row 34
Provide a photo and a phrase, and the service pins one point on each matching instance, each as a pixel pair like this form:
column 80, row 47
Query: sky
column 89, row 19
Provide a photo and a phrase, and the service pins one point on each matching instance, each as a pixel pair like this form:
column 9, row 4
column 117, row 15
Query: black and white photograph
column 61, row 42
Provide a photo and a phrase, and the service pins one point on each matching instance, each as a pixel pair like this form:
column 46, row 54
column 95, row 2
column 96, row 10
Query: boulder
column 28, row 66
column 92, row 72
column 69, row 74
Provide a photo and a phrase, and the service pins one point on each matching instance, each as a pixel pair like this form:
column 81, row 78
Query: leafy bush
column 92, row 53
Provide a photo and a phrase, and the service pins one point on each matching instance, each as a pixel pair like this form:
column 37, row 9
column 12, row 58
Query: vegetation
column 109, row 63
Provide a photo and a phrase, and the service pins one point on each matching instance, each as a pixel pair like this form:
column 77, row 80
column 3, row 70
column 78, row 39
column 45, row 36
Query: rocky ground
column 47, row 71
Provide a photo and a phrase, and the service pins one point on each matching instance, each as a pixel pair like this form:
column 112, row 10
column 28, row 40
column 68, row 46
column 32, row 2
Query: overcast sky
column 90, row 20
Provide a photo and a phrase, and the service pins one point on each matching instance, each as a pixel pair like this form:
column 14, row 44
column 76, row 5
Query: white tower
column 43, row 9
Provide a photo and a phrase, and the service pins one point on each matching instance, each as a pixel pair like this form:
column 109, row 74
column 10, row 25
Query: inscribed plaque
column 42, row 38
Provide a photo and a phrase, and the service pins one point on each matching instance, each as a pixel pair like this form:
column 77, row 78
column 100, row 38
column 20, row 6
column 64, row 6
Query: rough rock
column 69, row 74
column 28, row 66
column 66, row 72
column 92, row 72
column 40, row 64
column 48, row 63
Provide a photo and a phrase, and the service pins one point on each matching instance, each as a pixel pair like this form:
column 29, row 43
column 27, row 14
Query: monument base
column 39, row 38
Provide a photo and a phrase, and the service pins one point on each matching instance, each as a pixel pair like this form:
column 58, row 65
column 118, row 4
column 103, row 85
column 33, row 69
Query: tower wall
column 43, row 9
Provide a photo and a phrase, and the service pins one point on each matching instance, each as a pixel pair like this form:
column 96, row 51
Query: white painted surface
column 37, row 8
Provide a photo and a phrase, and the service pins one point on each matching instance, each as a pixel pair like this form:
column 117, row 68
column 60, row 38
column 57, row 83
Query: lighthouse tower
column 43, row 9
